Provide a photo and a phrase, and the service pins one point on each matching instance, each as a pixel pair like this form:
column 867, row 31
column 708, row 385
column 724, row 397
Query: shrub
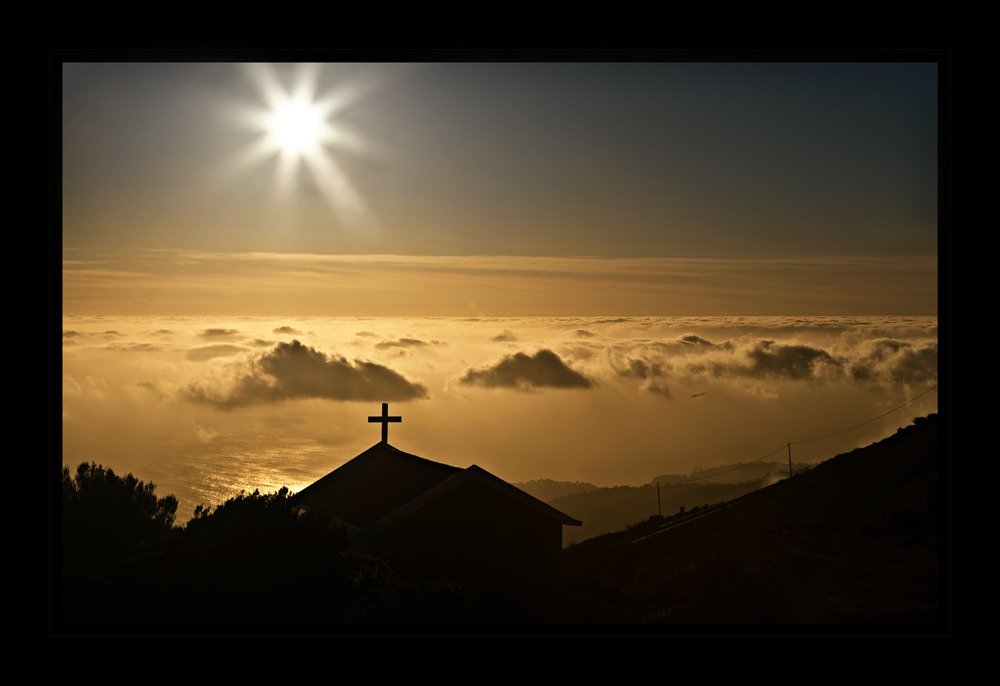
column 106, row 517
column 263, row 523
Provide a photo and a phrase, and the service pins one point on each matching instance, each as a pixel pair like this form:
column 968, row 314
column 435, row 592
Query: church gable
column 442, row 519
column 378, row 481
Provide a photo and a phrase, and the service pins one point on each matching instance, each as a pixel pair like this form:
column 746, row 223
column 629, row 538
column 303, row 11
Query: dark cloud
column 698, row 395
column 401, row 343
column 618, row 320
column 660, row 389
column 218, row 333
column 521, row 371
column 287, row 330
column 71, row 334
column 366, row 333
column 786, row 361
column 896, row 362
column 293, row 370
column 506, row 337
column 261, row 343
column 640, row 369
column 583, row 333
column 691, row 339
column 862, row 373
column 209, row 351
column 916, row 365
column 883, row 348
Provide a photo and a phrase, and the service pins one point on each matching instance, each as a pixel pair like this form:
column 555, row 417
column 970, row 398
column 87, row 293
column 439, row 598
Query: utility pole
column 789, row 459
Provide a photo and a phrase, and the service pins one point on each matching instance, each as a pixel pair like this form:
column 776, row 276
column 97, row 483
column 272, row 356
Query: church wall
column 477, row 532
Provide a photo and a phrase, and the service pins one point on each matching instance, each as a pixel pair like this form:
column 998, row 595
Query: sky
column 579, row 271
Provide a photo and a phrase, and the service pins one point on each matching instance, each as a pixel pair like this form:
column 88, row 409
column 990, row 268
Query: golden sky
column 597, row 272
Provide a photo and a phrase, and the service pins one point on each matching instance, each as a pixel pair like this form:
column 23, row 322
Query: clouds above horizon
column 285, row 413
column 507, row 336
column 881, row 361
column 294, row 371
column 520, row 371
column 401, row 343
column 211, row 351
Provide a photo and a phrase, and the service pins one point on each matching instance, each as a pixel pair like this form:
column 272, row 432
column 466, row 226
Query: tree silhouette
column 106, row 517
column 255, row 523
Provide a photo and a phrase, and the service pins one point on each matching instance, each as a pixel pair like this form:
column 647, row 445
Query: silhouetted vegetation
column 106, row 517
column 256, row 558
column 852, row 540
column 255, row 524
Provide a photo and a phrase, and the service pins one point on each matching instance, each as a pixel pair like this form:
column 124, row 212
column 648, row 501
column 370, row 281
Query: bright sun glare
column 296, row 127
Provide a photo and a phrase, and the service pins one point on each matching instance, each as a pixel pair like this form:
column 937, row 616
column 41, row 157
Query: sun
column 296, row 127
column 299, row 127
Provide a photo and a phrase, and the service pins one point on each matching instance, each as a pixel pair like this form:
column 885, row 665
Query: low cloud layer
column 211, row 351
column 544, row 369
column 293, row 370
column 769, row 360
column 219, row 333
column 886, row 362
column 897, row 362
column 287, row 330
column 506, row 337
column 401, row 343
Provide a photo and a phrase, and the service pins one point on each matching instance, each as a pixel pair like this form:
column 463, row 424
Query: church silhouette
column 443, row 520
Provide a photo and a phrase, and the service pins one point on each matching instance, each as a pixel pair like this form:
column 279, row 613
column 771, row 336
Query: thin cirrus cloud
column 447, row 285
column 294, row 371
column 521, row 371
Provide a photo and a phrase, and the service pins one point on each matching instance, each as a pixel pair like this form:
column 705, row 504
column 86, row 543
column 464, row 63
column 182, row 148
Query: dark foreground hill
column 855, row 539
column 605, row 510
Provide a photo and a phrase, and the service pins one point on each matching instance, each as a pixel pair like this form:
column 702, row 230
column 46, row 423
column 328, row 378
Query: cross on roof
column 384, row 420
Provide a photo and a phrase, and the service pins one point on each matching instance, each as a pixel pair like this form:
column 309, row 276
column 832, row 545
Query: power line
column 808, row 440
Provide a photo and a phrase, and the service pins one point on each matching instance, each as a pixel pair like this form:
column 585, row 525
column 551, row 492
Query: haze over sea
column 207, row 406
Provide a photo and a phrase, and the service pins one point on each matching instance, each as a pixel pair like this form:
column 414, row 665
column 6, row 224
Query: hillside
column 853, row 540
column 548, row 490
column 734, row 473
column 605, row 510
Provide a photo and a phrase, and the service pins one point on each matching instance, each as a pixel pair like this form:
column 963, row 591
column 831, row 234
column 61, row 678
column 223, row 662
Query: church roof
column 376, row 482
column 479, row 474
column 384, row 485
